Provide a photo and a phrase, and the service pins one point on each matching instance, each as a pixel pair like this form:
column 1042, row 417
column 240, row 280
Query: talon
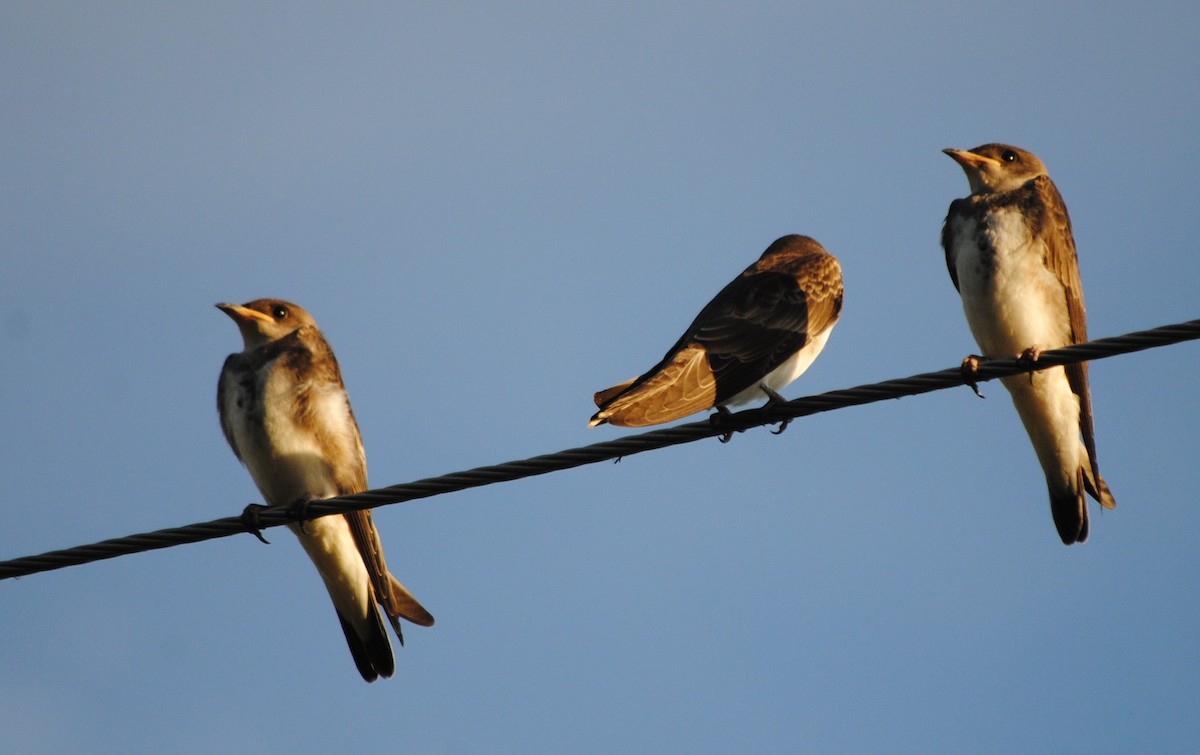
column 718, row 419
column 299, row 511
column 774, row 399
column 1028, row 359
column 970, row 372
column 251, row 522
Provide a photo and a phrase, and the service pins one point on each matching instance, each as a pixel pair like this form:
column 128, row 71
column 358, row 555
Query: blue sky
column 495, row 211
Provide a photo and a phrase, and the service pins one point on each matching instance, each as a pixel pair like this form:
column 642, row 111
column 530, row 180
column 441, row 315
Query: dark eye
column 279, row 312
column 1009, row 156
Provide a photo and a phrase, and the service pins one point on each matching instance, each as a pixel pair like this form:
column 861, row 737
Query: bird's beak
column 971, row 161
column 242, row 315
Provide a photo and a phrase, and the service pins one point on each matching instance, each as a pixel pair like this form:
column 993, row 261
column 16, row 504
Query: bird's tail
column 1069, row 506
column 369, row 646
column 1069, row 509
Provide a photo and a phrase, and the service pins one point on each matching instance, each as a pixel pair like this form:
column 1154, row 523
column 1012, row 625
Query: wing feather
column 225, row 385
column 1063, row 261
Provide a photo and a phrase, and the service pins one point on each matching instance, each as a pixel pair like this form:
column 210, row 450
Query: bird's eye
column 1009, row 156
column 279, row 312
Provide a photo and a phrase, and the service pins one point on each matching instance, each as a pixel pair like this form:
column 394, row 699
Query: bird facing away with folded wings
column 286, row 415
column 756, row 336
column 1011, row 255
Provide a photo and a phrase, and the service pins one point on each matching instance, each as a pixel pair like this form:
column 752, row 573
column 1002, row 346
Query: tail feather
column 372, row 653
column 1069, row 509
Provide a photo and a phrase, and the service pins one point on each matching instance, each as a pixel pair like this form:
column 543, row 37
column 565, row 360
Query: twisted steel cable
column 273, row 516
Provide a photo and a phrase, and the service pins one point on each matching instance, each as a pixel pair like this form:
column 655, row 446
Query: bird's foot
column 718, row 419
column 1028, row 359
column 298, row 510
column 774, row 399
column 251, row 521
column 970, row 372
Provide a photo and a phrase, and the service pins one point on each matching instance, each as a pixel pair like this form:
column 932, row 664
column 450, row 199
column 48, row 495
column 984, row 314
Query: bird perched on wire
column 1011, row 255
column 286, row 415
column 756, row 336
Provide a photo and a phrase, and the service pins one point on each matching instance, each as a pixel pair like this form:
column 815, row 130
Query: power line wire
column 273, row 516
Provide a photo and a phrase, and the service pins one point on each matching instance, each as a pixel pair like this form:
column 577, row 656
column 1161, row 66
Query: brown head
column 997, row 167
column 264, row 320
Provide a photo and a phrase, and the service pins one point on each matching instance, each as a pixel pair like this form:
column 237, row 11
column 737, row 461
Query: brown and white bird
column 1011, row 255
column 286, row 415
column 758, row 334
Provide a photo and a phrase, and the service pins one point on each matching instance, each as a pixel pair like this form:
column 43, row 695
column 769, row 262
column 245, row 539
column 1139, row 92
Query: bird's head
column 264, row 320
column 997, row 167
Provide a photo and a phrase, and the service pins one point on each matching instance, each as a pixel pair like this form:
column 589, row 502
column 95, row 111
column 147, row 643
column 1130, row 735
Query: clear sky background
column 493, row 212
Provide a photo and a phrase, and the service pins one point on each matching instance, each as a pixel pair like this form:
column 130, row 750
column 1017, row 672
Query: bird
column 1011, row 255
column 756, row 336
column 286, row 415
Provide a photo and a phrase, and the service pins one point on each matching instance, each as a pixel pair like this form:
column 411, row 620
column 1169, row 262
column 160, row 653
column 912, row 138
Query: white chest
column 1012, row 301
column 290, row 457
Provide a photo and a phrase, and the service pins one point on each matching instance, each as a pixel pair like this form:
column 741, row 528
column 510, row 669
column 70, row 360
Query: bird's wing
column 349, row 467
column 957, row 207
column 1062, row 260
column 225, row 384
column 396, row 600
column 681, row 384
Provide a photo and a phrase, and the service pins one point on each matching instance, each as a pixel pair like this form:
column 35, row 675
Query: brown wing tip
column 409, row 609
column 1104, row 495
column 632, row 416
column 603, row 397
column 417, row 614
column 404, row 605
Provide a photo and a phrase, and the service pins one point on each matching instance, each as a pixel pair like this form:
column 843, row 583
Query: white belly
column 784, row 374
